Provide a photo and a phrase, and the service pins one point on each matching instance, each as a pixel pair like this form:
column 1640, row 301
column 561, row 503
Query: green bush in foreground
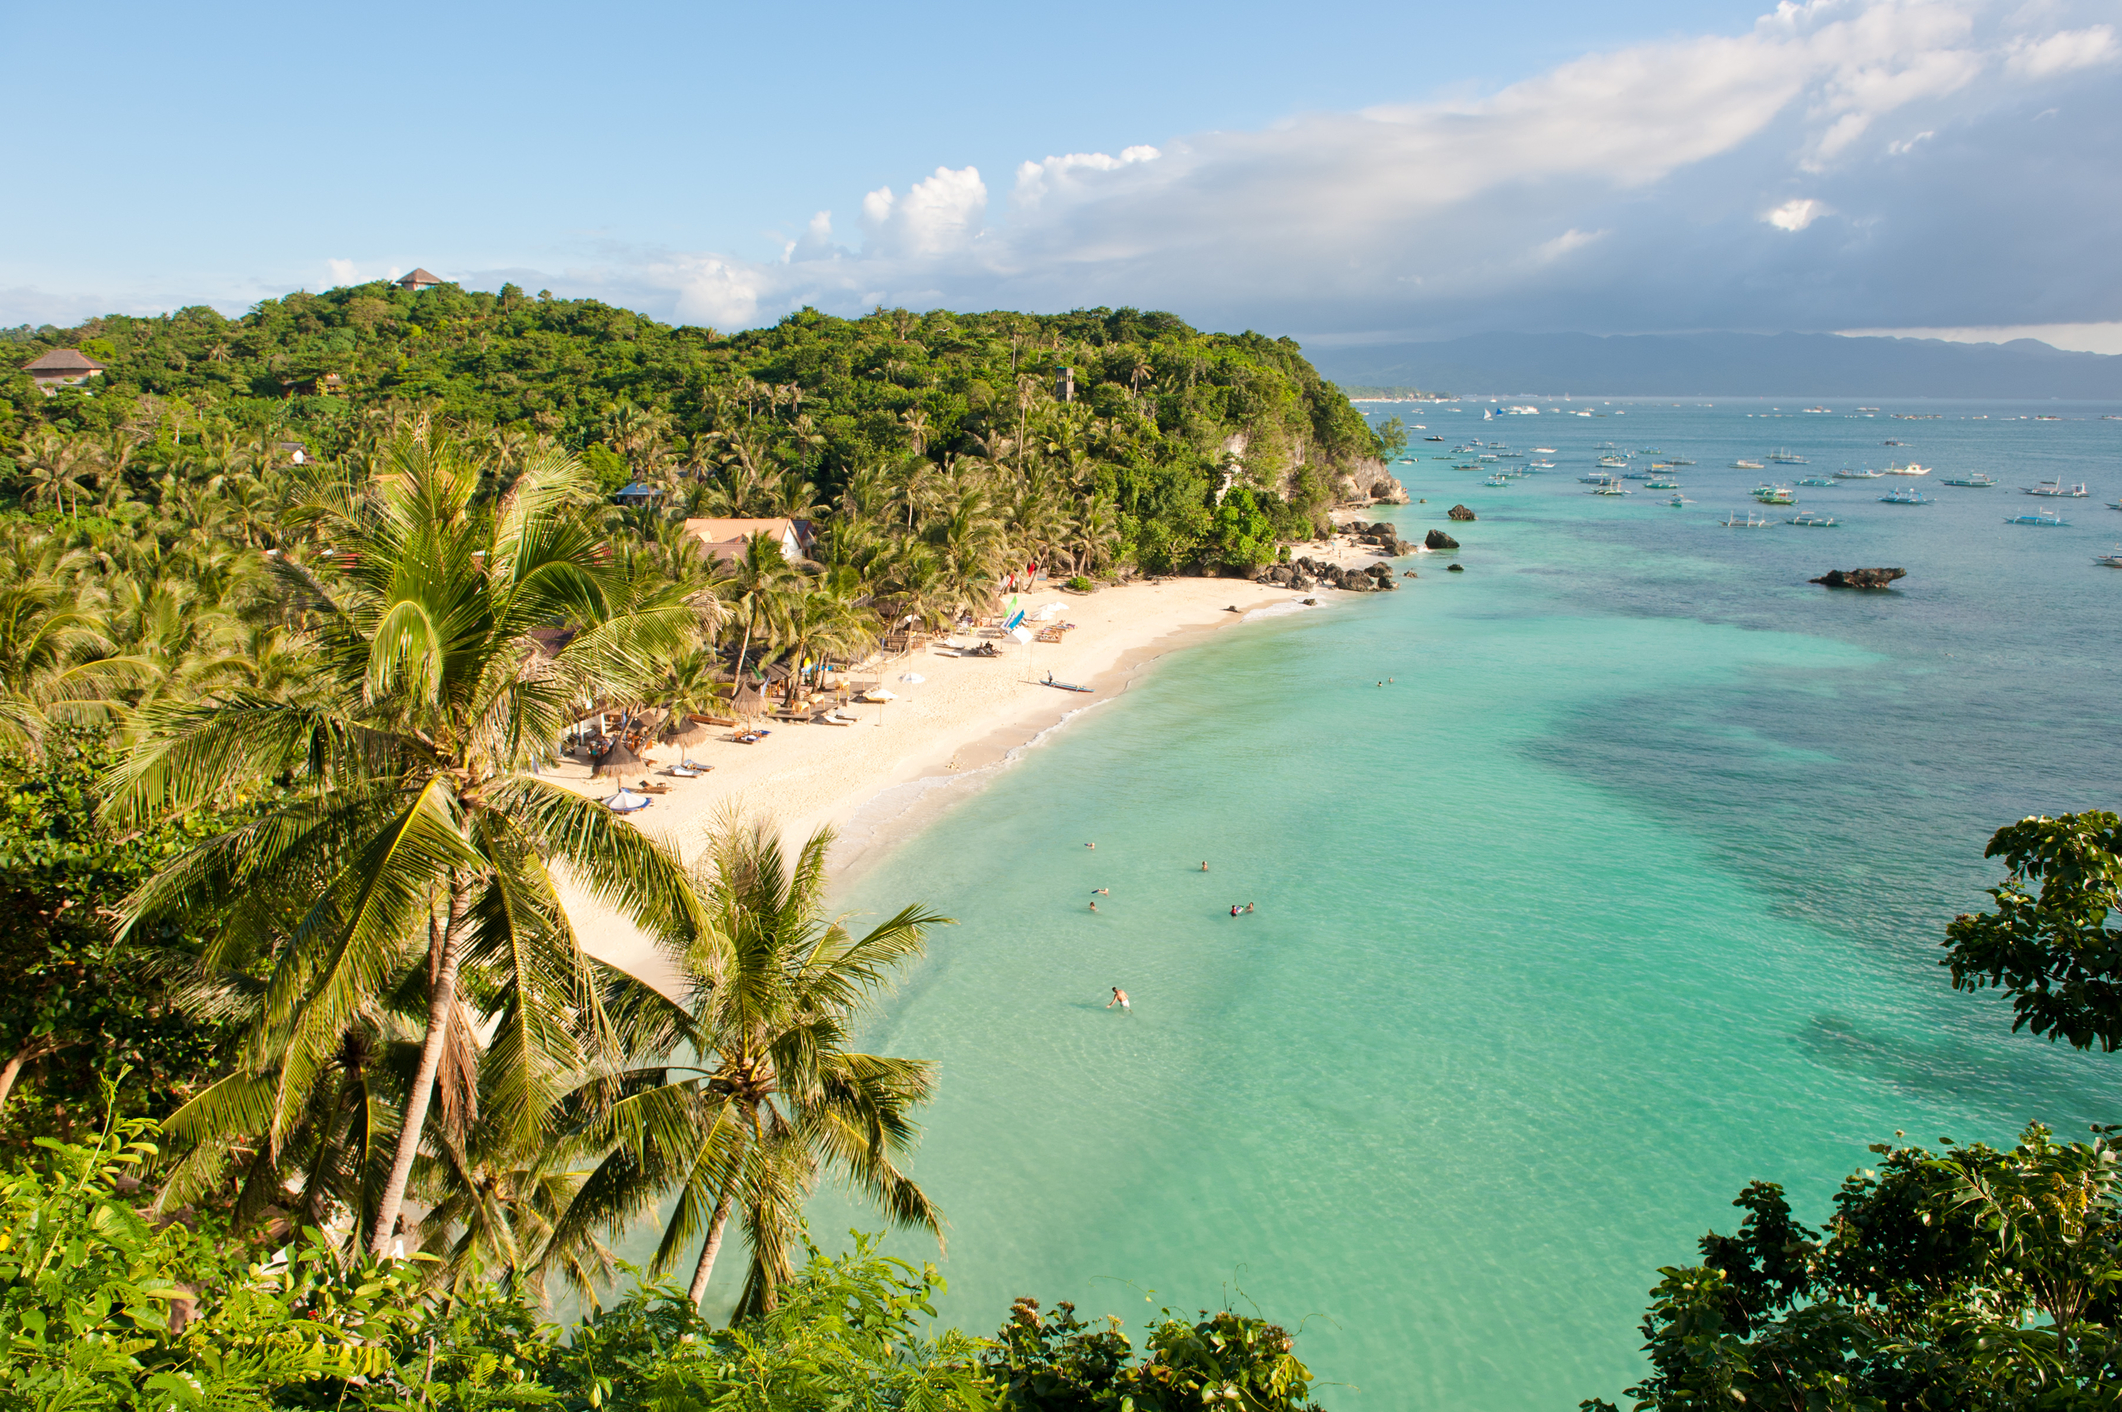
column 101, row 1309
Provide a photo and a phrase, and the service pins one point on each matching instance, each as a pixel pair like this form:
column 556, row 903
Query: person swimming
column 1101, row 892
column 1093, row 906
column 1204, row 865
column 1248, row 906
column 1090, row 845
column 1234, row 909
column 1120, row 999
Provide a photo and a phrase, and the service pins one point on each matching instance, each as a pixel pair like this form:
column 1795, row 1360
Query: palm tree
column 776, row 1096
column 415, row 847
column 752, row 590
column 820, row 623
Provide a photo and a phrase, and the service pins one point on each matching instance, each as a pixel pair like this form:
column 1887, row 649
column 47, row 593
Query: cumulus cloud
column 1899, row 135
column 1796, row 215
column 1668, row 167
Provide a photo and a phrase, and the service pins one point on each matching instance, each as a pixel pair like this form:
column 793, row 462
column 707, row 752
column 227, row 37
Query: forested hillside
column 1111, row 434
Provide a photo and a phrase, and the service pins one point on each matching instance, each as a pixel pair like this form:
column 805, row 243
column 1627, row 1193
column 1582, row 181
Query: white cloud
column 1671, row 168
column 935, row 217
column 1571, row 239
column 2063, row 51
column 343, row 272
column 1796, row 215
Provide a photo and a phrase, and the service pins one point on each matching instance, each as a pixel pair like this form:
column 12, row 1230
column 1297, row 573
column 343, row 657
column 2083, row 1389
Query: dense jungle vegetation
column 1101, row 438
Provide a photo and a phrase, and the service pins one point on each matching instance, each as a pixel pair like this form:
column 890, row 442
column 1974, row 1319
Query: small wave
column 1276, row 610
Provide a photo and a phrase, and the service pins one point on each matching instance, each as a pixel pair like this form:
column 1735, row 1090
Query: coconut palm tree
column 776, row 1096
column 819, row 623
column 752, row 589
column 415, row 848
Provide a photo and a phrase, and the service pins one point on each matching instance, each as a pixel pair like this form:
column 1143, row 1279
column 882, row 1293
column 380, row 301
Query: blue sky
column 1343, row 172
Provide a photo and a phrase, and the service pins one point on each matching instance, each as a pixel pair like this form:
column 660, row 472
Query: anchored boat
column 2046, row 519
column 1977, row 481
column 2056, row 488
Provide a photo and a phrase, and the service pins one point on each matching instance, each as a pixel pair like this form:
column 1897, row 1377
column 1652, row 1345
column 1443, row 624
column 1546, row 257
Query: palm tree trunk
column 442, row 1000
column 715, row 1226
column 38, row 1048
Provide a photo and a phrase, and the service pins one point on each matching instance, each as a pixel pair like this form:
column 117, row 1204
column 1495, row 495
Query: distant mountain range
column 1725, row 365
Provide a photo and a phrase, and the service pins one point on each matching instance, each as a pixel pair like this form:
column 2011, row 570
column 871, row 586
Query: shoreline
column 883, row 779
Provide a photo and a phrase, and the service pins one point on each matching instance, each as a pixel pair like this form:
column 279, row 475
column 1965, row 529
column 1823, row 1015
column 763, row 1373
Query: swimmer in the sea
column 1120, row 999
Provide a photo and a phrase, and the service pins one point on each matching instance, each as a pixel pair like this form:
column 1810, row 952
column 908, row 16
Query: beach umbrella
column 882, row 695
column 626, row 801
column 748, row 701
column 617, row 760
column 683, row 730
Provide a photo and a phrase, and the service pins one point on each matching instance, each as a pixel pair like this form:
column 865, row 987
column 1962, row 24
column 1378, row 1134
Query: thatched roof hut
column 750, row 700
column 615, row 761
column 683, row 730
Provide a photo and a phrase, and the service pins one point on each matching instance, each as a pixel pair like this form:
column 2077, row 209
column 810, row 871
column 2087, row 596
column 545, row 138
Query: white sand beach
column 966, row 715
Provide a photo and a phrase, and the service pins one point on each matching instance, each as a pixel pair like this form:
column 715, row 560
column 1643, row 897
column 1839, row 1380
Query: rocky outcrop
column 1460, row 512
column 1860, row 578
column 1438, row 539
column 1384, row 536
column 1457, row 569
column 1388, row 491
column 1306, row 573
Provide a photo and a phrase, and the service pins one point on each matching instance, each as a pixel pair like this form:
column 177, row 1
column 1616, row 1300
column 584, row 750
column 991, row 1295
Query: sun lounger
column 751, row 737
column 834, row 718
column 646, row 788
column 694, row 765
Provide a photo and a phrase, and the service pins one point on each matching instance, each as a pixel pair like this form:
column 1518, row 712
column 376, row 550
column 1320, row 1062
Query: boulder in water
column 1860, row 578
column 1460, row 512
column 1438, row 539
column 1456, row 569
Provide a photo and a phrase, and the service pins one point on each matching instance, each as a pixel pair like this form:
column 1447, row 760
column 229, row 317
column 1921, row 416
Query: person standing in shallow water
column 1120, row 999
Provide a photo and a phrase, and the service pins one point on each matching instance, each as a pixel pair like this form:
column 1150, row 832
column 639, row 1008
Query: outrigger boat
column 1977, row 481
column 1866, row 474
column 1062, row 685
column 1812, row 521
column 1752, row 521
column 1906, row 497
column 2056, row 489
column 1816, row 480
column 2113, row 561
column 2046, row 519
column 1775, row 495
column 1911, row 469
column 1748, row 466
column 1784, row 456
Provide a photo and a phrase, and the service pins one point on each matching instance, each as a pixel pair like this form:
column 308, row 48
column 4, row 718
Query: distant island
column 1725, row 365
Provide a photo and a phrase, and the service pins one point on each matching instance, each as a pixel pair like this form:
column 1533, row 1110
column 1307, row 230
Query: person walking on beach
column 1120, row 999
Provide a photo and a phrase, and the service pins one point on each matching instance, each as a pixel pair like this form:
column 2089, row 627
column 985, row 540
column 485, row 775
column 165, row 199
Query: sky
column 1341, row 172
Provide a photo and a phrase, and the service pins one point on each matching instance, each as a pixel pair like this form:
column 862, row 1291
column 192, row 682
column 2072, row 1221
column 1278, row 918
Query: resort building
column 419, row 279
column 638, row 493
column 724, row 539
column 62, row 367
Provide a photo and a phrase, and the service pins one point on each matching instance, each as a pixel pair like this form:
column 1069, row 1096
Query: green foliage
column 2057, row 952
column 101, row 1309
column 78, row 1005
column 1156, row 403
column 1057, row 1363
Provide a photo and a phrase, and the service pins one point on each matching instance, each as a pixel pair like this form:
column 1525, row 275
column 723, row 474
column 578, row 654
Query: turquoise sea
column 1627, row 890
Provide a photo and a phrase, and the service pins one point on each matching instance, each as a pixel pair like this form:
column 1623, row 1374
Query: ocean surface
column 1626, row 890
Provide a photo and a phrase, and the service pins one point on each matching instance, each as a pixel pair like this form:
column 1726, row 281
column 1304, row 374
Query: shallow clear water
column 1626, row 891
